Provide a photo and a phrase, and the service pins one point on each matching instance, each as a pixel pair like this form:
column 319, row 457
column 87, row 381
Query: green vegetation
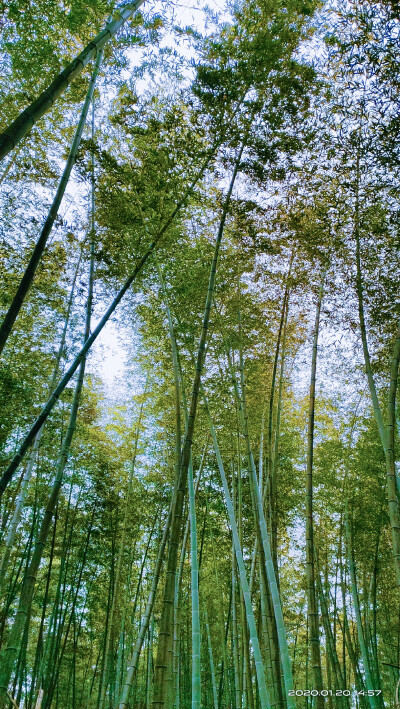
column 216, row 526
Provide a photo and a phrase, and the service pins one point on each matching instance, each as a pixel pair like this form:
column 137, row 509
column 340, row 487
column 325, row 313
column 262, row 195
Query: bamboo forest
column 199, row 354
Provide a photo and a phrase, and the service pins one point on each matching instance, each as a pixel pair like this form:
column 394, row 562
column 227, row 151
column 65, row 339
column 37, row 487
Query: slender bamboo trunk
column 270, row 633
column 164, row 650
column 312, row 604
column 271, row 468
column 196, row 678
column 39, row 644
column 196, row 643
column 77, row 585
column 386, row 433
column 373, row 700
column 102, row 657
column 111, row 626
column 122, row 635
column 331, row 646
column 247, row 662
column 263, row 540
column 10, row 652
column 12, row 530
column 47, row 659
column 25, row 121
column 223, row 685
column 211, row 657
column 177, row 373
column 264, row 698
column 178, row 590
column 274, row 461
column 235, row 636
column 271, row 643
column 134, row 660
column 371, row 624
column 26, row 281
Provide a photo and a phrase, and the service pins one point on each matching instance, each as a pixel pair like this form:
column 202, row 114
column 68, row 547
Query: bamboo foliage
column 262, row 688
column 47, row 409
column 235, row 164
column 12, row 314
column 373, row 700
column 267, row 567
column 23, row 124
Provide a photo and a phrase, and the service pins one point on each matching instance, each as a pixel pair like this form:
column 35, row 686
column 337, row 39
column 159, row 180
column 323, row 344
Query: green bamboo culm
column 162, row 668
column 330, row 640
column 211, row 657
column 26, row 281
column 196, row 644
column 21, row 621
column 264, row 699
column 262, row 687
column 312, row 602
column 134, row 659
column 115, row 599
column 373, row 701
column 12, row 529
column 262, row 531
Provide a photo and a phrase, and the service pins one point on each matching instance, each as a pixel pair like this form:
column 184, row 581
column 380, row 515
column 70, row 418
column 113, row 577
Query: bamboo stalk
column 27, row 278
column 264, row 698
column 312, row 604
column 10, row 652
column 373, row 700
column 165, row 636
column 267, row 566
column 12, row 530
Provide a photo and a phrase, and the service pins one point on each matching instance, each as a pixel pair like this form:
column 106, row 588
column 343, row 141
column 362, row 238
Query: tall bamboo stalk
column 123, row 700
column 56, row 670
column 331, row 646
column 386, row 432
column 21, row 620
column 10, row 652
column 373, row 700
column 196, row 641
column 263, row 692
column 108, row 649
column 261, row 528
column 211, row 656
column 178, row 588
column 271, row 468
column 223, row 681
column 12, row 530
column 312, row 603
column 26, row 281
column 166, row 622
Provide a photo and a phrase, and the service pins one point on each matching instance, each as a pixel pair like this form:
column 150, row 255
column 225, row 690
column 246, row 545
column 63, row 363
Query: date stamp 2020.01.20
column 333, row 692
